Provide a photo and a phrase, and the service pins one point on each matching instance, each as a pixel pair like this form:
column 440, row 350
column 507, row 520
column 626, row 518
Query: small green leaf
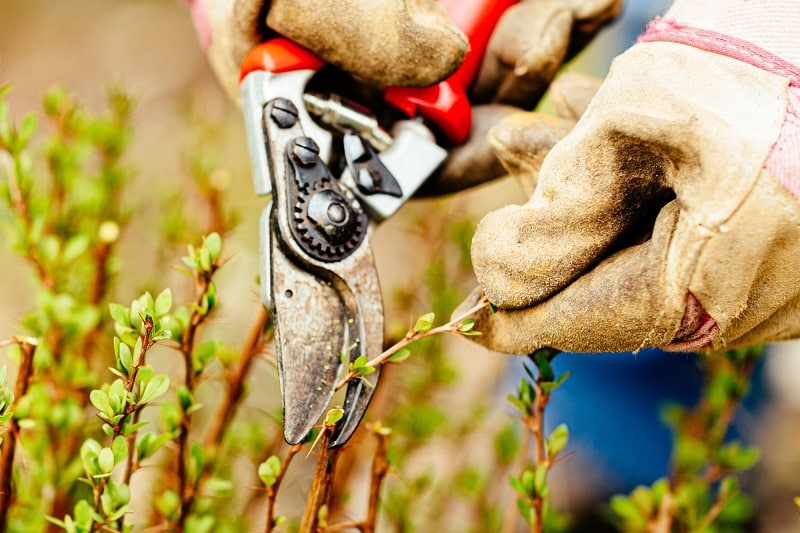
column 213, row 243
column 424, row 323
column 268, row 471
column 27, row 128
column 400, row 356
column 322, row 516
column 543, row 364
column 467, row 325
column 84, row 514
column 333, row 417
column 155, row 388
column 517, row 485
column 163, row 303
column 557, row 440
column 630, row 514
column 125, row 358
column 120, row 314
column 105, row 459
column 359, row 366
column 100, row 400
column 204, row 259
column 120, row 449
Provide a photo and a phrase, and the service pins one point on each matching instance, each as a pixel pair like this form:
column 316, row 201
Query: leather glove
column 669, row 215
column 412, row 43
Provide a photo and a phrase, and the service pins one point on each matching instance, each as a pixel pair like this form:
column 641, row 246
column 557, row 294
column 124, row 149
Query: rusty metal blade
column 310, row 332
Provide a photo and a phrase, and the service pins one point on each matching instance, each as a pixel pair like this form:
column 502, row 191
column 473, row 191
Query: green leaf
column 629, row 512
column 734, row 456
column 467, row 325
column 100, row 400
column 543, row 364
column 74, row 248
column 168, row 503
column 155, row 387
column 120, row 314
column 526, row 511
column 359, row 366
column 163, row 303
column 333, row 417
column 400, row 355
column 528, row 483
column 84, row 514
column 204, row 259
column 150, row 443
column 27, row 128
column 213, row 243
column 322, row 516
column 125, row 358
column 557, row 440
column 268, row 471
column 170, row 415
column 517, row 485
column 117, row 396
column 105, row 459
column 424, row 323
column 120, row 449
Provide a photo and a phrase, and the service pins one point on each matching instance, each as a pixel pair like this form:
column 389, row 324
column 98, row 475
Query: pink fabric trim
column 697, row 330
column 784, row 158
column 783, row 161
column 201, row 23
column 711, row 41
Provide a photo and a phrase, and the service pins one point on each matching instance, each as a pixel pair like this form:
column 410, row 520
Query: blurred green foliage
column 131, row 416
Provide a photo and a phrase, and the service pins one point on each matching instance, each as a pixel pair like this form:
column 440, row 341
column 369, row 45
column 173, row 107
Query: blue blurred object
column 612, row 403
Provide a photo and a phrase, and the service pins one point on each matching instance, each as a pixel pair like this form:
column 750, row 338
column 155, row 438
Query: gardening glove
column 669, row 215
column 412, row 43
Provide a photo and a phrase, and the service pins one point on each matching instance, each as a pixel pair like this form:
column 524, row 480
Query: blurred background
column 149, row 48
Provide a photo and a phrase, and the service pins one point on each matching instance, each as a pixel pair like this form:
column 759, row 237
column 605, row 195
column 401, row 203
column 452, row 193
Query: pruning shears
column 331, row 171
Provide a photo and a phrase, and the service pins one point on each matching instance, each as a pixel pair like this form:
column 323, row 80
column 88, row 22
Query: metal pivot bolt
column 331, row 212
column 284, row 113
column 306, row 151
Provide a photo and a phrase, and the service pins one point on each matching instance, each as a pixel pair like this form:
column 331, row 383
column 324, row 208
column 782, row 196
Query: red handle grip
column 446, row 104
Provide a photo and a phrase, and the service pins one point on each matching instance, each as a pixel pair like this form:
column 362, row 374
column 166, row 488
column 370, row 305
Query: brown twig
column 186, row 491
column 272, row 491
column 27, row 348
column 235, row 381
column 380, row 468
column 323, row 480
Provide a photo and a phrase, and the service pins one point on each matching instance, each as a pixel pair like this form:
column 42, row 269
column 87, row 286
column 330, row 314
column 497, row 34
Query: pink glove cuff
column 201, row 23
column 783, row 161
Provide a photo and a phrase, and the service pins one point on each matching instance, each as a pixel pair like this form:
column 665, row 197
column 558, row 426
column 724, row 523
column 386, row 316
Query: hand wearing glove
column 412, row 43
column 669, row 216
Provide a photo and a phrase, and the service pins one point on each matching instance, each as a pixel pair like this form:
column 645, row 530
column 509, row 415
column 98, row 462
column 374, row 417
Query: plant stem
column 412, row 336
column 186, row 491
column 130, row 408
column 380, row 467
column 323, row 480
column 236, row 380
column 27, row 349
column 272, row 491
